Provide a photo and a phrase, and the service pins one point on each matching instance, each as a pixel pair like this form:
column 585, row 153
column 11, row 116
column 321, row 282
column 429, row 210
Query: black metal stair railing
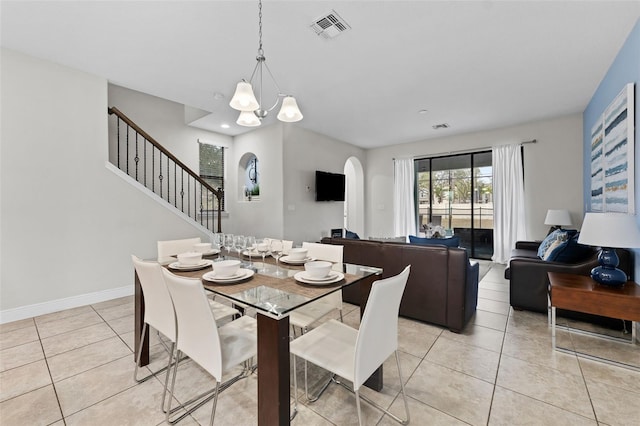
column 149, row 163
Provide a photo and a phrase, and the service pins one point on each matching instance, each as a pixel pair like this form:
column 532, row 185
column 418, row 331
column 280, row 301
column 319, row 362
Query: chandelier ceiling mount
column 244, row 99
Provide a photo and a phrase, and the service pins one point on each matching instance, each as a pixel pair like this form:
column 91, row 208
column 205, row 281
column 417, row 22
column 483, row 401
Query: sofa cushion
column 389, row 239
column 449, row 242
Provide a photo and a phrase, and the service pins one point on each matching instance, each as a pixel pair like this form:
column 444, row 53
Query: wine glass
column 228, row 242
column 276, row 248
column 217, row 242
column 239, row 244
column 250, row 244
column 262, row 245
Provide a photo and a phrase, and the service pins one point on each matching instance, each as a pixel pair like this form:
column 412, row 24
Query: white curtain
column 404, row 211
column 508, row 201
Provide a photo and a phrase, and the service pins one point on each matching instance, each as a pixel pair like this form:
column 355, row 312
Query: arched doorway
column 354, row 197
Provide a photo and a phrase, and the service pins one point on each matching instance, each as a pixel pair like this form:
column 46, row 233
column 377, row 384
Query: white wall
column 263, row 217
column 68, row 225
column 552, row 170
column 304, row 153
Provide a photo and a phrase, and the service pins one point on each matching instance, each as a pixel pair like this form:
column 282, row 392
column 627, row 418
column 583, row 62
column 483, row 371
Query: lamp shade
column 558, row 218
column 289, row 112
column 243, row 99
column 614, row 230
column 248, row 119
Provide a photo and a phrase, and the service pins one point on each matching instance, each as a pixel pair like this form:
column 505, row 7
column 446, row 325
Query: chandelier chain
column 260, row 51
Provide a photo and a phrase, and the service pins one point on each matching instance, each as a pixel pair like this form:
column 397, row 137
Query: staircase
column 142, row 158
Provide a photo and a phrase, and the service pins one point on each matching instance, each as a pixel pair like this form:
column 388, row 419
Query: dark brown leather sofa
column 443, row 285
column 528, row 279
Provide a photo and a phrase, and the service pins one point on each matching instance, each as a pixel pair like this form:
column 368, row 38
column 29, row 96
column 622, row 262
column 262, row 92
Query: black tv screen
column 329, row 186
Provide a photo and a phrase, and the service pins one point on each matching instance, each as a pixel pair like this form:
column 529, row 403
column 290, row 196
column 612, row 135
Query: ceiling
column 475, row 65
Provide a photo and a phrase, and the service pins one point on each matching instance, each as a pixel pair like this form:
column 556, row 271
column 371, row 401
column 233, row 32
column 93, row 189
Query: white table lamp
column 609, row 231
column 557, row 218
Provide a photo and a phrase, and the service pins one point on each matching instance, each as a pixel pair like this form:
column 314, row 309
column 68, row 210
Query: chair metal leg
column 295, row 389
column 321, row 391
column 166, row 379
column 215, row 403
column 201, row 399
column 135, row 371
column 138, row 355
column 384, row 410
column 358, row 408
column 404, row 395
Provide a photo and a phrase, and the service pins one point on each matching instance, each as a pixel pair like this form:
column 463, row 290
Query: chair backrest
column 329, row 252
column 378, row 333
column 197, row 335
column 174, row 247
column 158, row 309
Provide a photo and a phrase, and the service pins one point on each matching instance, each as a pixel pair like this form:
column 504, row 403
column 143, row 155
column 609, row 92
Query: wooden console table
column 581, row 293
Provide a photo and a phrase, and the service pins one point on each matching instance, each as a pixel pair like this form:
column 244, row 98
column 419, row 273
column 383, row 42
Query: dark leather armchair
column 527, row 274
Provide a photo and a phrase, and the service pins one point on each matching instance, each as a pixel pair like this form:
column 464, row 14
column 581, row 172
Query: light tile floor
column 75, row 367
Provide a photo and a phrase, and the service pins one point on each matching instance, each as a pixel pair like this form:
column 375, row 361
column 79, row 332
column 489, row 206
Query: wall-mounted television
column 329, row 186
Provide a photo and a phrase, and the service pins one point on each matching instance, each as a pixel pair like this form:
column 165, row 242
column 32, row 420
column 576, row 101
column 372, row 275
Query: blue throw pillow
column 449, row 242
column 573, row 252
column 351, row 235
column 546, row 243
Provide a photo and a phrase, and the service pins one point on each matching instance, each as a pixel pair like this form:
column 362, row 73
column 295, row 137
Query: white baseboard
column 29, row 311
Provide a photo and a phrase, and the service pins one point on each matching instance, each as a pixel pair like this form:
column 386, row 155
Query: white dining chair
column 305, row 316
column 355, row 354
column 158, row 311
column 174, row 247
column 170, row 248
column 215, row 349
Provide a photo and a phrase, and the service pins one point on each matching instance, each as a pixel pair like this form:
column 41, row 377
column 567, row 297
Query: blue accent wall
column 625, row 69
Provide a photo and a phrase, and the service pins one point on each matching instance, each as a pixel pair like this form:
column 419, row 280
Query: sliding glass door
column 456, row 192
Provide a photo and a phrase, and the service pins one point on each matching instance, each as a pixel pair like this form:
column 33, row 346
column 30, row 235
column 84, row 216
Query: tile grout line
column 495, row 382
column 53, row 385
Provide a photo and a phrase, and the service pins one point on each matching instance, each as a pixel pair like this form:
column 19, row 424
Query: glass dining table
column 273, row 291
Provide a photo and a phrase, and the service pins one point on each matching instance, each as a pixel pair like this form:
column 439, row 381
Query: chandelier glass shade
column 251, row 108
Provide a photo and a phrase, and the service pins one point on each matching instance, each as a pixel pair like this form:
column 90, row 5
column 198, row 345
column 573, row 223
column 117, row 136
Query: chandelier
column 244, row 100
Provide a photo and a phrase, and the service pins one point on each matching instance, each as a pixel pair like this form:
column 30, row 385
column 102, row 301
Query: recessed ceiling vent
column 440, row 126
column 330, row 25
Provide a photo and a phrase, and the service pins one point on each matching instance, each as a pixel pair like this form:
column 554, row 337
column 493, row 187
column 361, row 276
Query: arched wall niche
column 354, row 200
column 249, row 177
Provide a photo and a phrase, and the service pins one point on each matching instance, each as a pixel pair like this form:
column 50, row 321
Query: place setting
column 296, row 256
column 227, row 272
column 318, row 273
column 190, row 261
column 206, row 249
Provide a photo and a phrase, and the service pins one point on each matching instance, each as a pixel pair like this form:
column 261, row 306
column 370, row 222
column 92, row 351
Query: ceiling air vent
column 440, row 126
column 330, row 25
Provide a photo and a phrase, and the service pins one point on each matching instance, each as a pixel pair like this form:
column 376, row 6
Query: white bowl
column 317, row 269
column 189, row 258
column 298, row 253
column 226, row 268
column 202, row 247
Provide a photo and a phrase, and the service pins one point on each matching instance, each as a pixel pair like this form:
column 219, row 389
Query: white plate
column 211, row 252
column 286, row 259
column 254, row 253
column 204, row 263
column 333, row 277
column 242, row 274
